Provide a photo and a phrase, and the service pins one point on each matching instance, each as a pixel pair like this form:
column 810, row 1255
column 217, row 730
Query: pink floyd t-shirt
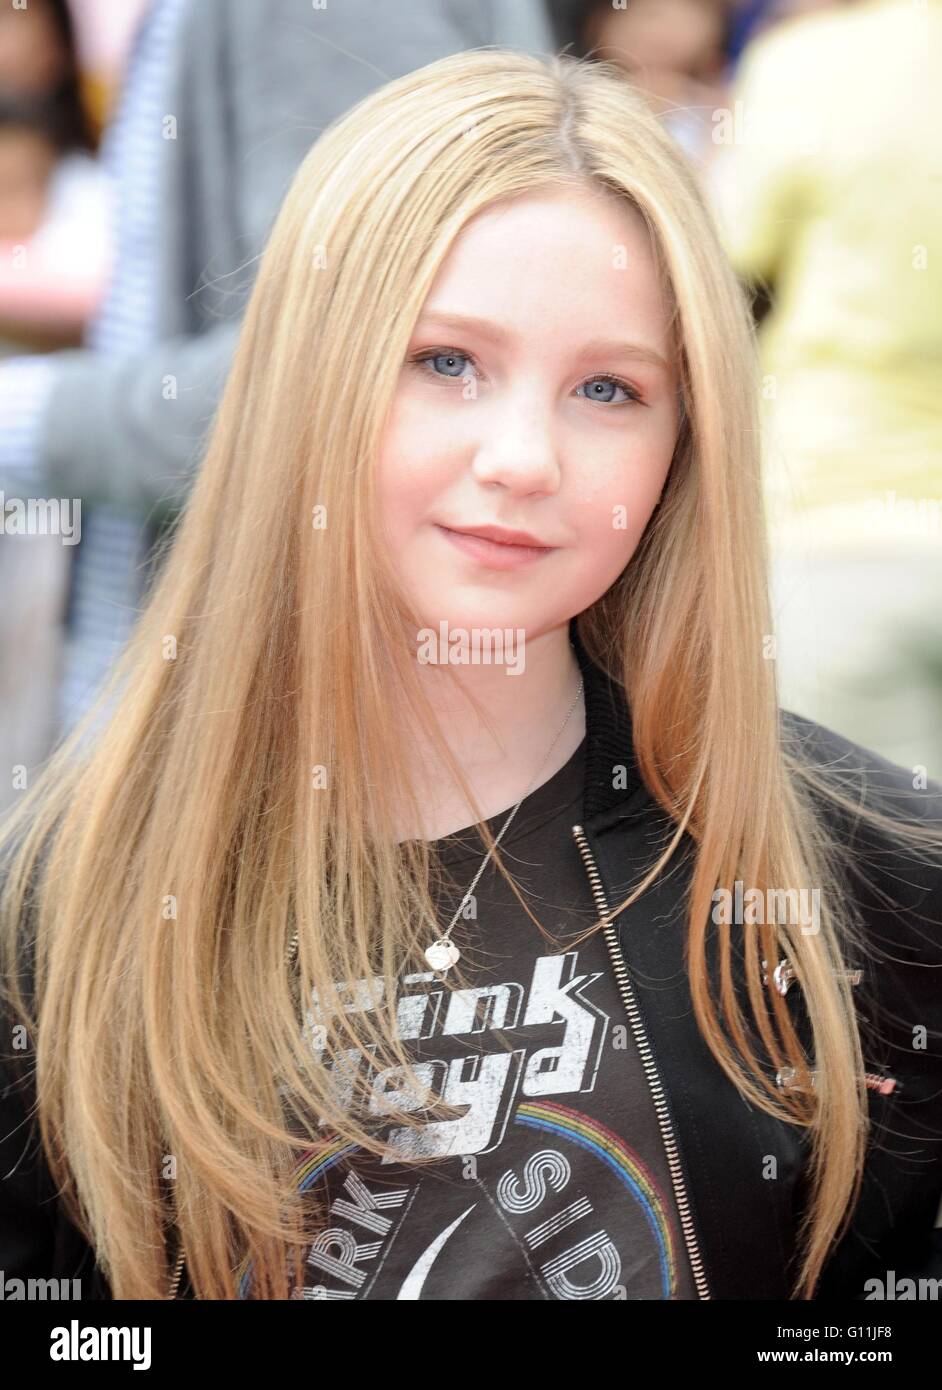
column 552, row 1181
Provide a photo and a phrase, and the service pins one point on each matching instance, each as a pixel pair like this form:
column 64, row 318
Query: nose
column 516, row 446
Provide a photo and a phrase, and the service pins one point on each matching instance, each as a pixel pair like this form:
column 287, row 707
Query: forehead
column 571, row 260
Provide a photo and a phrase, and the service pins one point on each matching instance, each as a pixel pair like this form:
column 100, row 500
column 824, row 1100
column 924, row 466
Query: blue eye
column 452, row 360
column 610, row 381
column 455, row 369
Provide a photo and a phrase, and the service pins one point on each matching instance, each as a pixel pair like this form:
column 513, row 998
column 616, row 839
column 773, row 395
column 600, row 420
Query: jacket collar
column 613, row 785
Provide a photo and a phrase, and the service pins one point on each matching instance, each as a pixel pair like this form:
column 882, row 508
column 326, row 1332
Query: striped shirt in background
column 108, row 570
column 109, row 563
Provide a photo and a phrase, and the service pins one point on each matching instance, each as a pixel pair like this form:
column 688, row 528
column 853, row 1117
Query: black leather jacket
column 739, row 1222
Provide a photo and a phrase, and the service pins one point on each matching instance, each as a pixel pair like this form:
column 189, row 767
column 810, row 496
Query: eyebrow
column 597, row 347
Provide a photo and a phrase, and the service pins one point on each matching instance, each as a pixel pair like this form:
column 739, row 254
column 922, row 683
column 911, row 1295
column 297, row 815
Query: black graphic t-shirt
column 553, row 1183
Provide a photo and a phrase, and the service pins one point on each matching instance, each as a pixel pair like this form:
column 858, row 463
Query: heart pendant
column 442, row 954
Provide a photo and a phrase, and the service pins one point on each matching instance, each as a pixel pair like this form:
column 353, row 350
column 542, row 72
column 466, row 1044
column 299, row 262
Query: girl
column 473, row 572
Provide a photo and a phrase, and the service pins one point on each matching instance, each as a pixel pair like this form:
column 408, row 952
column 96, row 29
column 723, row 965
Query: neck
column 503, row 750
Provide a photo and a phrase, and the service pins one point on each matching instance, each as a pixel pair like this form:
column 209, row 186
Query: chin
column 466, row 615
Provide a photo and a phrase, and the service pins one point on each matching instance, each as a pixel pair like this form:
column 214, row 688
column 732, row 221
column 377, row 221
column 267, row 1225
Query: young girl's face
column 538, row 395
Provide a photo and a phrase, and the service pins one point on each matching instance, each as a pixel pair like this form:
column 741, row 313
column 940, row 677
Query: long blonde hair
column 240, row 794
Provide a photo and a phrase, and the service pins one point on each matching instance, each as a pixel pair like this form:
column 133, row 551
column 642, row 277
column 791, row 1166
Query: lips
column 500, row 535
column 494, row 554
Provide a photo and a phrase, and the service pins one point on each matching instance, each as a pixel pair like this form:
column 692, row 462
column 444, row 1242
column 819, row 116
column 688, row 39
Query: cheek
column 411, row 474
column 614, row 500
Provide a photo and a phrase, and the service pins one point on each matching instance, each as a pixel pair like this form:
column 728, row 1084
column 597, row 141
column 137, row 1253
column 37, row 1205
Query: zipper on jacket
column 650, row 1069
column 178, row 1270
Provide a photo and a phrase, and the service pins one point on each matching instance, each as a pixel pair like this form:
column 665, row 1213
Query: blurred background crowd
column 145, row 146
